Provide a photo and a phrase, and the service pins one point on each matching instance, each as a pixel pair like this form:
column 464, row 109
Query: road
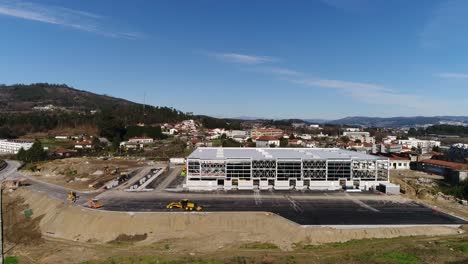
column 305, row 208
column 59, row 192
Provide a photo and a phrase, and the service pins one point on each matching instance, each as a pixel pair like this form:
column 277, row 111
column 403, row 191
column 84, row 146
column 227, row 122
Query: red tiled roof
column 266, row 138
column 63, row 150
column 84, row 142
column 448, row 164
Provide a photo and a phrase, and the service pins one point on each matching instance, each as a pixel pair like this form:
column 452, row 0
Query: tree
column 34, row 154
column 345, row 139
column 284, row 142
column 357, row 141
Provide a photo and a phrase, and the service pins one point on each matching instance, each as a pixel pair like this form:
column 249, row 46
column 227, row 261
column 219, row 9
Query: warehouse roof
column 279, row 153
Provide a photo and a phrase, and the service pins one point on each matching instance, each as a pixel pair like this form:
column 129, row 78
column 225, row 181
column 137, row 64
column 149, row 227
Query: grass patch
column 153, row 260
column 11, row 260
column 346, row 243
column 259, row 245
column 397, row 258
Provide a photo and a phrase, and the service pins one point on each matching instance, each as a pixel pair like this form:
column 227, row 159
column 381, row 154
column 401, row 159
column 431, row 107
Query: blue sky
column 275, row 59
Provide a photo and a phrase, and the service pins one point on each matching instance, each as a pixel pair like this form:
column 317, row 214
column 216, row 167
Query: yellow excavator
column 185, row 205
column 72, row 196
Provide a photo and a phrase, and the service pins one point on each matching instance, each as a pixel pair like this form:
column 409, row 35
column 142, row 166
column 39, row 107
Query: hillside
column 21, row 97
column 73, row 109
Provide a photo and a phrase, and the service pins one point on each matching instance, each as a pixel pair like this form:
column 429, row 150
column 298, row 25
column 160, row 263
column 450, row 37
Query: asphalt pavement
column 305, row 211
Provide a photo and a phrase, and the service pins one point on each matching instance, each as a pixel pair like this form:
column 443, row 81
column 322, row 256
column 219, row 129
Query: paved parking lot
column 333, row 208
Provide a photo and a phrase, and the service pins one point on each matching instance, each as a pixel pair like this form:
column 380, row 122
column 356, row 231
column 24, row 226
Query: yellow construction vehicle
column 185, row 205
column 94, row 203
column 72, row 196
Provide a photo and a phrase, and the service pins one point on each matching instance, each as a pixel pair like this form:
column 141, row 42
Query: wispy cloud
column 452, row 75
column 370, row 93
column 242, row 58
column 66, row 17
column 447, row 26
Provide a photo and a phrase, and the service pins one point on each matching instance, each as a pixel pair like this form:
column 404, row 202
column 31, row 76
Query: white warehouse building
column 12, row 146
column 283, row 169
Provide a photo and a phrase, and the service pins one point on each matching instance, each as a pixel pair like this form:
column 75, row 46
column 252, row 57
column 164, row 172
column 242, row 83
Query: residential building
column 364, row 137
column 141, row 140
column 84, row 144
column 266, row 132
column 267, row 142
column 283, row 169
column 12, row 146
column 419, row 143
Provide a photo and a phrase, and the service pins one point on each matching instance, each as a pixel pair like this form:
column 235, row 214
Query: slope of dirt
column 203, row 232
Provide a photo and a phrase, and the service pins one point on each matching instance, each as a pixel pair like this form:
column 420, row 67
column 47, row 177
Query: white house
column 363, row 136
column 418, row 143
column 267, row 141
column 85, row 144
column 399, row 163
column 141, row 140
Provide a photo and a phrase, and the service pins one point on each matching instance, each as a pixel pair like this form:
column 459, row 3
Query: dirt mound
column 19, row 227
column 201, row 231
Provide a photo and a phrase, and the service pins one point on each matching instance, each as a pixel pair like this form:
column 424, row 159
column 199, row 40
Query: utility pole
column 1, row 226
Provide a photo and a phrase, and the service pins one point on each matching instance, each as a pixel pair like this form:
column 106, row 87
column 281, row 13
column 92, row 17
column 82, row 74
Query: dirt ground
column 58, row 232
column 35, row 240
column 423, row 187
column 82, row 173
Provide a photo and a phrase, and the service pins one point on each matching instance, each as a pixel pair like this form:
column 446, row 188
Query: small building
column 141, row 140
column 84, row 144
column 399, row 163
column 452, row 171
column 63, row 152
column 267, row 142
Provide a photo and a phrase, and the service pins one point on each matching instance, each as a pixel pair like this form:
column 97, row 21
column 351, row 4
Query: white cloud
column 242, row 58
column 453, row 75
column 371, row 93
column 66, row 17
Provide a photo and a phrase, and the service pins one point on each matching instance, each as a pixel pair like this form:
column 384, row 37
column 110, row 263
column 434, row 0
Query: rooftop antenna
column 144, row 103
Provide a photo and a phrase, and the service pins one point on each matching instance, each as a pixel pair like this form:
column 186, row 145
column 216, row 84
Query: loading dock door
column 256, row 183
column 220, row 182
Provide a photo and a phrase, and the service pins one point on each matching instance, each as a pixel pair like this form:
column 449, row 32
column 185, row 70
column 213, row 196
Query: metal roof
column 279, row 153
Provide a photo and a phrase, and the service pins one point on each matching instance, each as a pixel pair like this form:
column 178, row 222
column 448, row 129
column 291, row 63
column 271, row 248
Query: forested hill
column 73, row 107
column 20, row 97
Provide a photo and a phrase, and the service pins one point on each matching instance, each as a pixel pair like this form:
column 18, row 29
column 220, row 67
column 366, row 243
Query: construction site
column 146, row 206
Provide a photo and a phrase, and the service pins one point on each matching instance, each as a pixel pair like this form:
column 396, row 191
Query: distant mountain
column 397, row 121
column 316, row 121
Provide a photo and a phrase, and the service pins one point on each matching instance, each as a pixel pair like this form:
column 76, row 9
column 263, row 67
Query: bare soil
column 423, row 187
column 80, row 173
